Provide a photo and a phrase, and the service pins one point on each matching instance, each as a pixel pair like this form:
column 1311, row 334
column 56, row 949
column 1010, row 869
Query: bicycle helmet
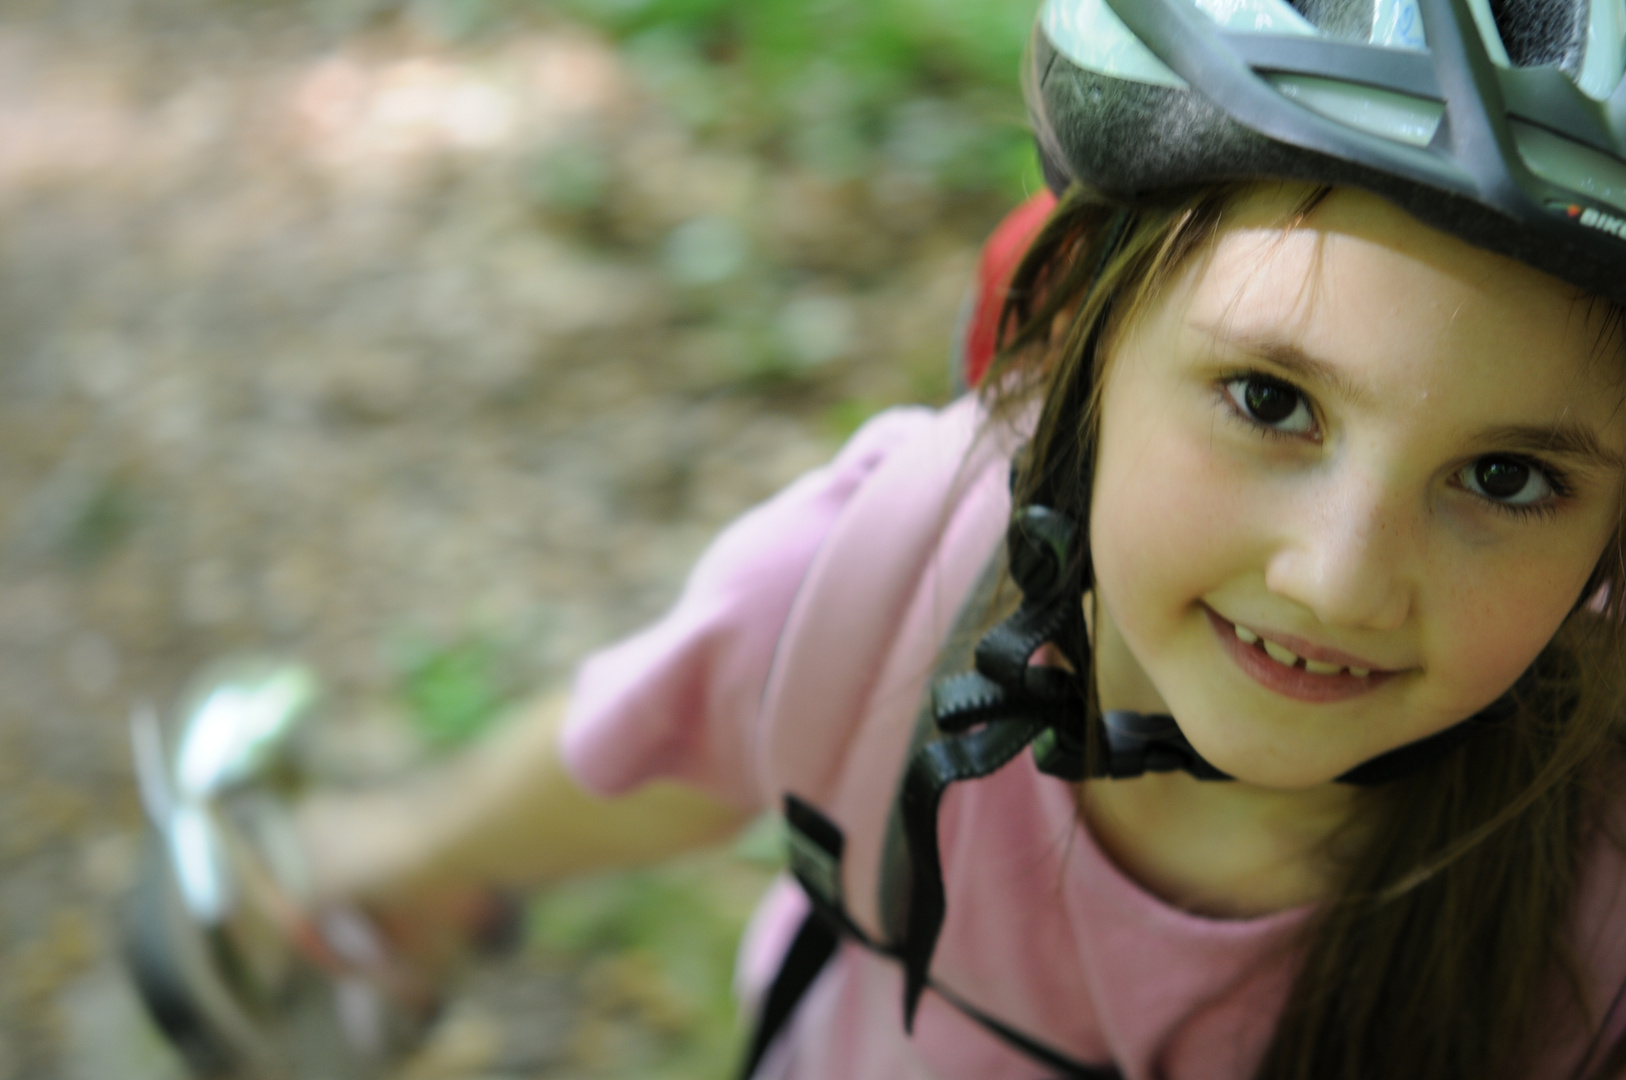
column 1502, row 122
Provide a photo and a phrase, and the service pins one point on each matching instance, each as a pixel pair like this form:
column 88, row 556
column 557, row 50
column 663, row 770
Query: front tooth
column 1246, row 636
column 1360, row 672
column 1280, row 655
column 1316, row 667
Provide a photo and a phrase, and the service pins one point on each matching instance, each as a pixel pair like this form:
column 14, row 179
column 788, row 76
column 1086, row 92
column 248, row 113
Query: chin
column 1266, row 756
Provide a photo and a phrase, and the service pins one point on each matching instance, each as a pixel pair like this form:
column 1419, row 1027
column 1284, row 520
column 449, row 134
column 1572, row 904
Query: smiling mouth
column 1288, row 658
column 1278, row 668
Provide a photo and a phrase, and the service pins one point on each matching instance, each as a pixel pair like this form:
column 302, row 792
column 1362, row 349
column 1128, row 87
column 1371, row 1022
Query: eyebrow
column 1286, row 355
column 1563, row 439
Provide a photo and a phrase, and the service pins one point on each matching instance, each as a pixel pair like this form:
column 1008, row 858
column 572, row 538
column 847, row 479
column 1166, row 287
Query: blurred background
column 428, row 341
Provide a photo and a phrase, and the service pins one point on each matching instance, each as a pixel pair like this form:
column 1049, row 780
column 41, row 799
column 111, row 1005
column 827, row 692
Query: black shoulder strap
column 984, row 717
column 815, row 943
column 956, row 656
column 815, row 851
column 816, row 847
column 815, row 843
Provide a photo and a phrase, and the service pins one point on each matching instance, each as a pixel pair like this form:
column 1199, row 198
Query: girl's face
column 1351, row 478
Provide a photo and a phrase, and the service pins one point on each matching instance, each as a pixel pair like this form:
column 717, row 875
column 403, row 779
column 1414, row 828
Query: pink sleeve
column 680, row 699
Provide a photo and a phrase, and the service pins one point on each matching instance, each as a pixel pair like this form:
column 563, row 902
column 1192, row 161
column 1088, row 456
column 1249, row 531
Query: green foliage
column 882, row 44
column 846, row 416
column 454, row 692
column 99, row 523
column 763, row 842
column 843, row 84
column 571, row 177
column 839, row 86
column 664, row 940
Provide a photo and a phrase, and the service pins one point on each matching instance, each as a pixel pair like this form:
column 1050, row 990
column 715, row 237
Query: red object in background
column 1000, row 256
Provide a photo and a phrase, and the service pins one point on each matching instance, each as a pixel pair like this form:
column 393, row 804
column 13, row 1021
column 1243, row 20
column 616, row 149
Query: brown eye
column 1271, row 403
column 1507, row 480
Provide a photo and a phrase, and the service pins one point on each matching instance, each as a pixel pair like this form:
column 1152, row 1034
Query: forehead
column 1385, row 299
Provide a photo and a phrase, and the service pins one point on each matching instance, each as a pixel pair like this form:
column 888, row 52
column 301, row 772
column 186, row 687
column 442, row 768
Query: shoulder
column 688, row 698
column 875, row 607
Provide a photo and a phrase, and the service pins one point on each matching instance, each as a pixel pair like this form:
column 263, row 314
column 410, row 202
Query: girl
column 1310, row 604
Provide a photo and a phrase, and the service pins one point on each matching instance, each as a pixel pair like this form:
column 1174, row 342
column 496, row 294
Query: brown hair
column 1442, row 953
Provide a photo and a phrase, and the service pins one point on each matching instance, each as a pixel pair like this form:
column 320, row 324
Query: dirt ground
column 325, row 338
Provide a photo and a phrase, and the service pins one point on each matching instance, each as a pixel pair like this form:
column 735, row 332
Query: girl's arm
column 504, row 813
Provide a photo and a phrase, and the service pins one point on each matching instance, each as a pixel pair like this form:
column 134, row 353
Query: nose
column 1344, row 555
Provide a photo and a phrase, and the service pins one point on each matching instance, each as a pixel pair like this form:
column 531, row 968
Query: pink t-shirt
column 795, row 661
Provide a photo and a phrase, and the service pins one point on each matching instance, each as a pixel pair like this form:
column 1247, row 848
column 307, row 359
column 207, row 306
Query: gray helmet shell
column 1505, row 127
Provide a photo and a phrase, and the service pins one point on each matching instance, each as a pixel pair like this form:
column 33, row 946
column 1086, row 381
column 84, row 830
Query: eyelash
column 1545, row 509
column 1556, row 478
column 1259, row 427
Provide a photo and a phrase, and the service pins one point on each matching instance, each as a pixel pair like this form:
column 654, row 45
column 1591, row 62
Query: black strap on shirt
column 815, row 943
column 815, row 848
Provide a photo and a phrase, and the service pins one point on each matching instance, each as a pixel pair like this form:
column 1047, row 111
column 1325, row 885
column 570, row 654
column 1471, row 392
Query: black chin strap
column 1005, row 704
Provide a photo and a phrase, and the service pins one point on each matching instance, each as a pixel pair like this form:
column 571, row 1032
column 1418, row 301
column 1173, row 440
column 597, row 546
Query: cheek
column 1490, row 628
column 1168, row 523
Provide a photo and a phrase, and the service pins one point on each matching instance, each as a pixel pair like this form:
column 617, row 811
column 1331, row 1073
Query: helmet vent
column 1538, row 33
column 1345, row 20
column 1527, row 164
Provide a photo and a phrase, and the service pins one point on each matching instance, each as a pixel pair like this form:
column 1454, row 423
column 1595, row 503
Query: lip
column 1294, row 682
